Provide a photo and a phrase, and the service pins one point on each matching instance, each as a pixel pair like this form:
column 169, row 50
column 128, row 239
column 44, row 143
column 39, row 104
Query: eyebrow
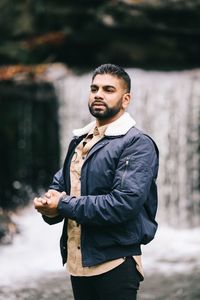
column 104, row 86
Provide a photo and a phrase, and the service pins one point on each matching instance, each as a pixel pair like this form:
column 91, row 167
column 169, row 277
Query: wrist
column 51, row 216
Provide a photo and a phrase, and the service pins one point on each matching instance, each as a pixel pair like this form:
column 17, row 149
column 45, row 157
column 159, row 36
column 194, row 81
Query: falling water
column 166, row 106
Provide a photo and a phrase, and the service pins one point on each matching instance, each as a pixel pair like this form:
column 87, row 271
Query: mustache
column 98, row 102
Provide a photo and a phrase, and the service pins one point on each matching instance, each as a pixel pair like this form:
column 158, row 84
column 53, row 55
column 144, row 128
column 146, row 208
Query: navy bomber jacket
column 118, row 201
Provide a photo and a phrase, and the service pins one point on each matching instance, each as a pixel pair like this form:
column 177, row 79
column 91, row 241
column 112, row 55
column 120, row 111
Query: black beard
column 103, row 115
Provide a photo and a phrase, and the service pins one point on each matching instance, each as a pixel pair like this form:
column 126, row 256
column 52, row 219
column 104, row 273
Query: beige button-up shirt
column 74, row 261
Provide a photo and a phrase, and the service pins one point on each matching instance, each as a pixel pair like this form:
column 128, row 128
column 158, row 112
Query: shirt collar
column 100, row 131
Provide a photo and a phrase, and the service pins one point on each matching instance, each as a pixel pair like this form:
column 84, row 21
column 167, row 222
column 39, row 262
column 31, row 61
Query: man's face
column 108, row 97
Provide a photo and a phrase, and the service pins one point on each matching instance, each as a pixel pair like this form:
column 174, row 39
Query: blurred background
column 48, row 50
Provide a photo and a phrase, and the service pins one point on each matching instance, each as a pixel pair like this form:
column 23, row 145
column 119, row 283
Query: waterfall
column 166, row 105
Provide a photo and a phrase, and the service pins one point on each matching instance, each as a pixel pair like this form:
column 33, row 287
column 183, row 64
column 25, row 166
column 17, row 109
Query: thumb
column 48, row 194
column 63, row 194
column 49, row 201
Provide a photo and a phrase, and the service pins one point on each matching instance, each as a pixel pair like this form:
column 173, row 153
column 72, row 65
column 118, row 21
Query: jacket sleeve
column 133, row 177
column 58, row 185
column 58, row 182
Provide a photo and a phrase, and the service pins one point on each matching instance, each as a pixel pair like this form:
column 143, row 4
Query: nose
column 98, row 94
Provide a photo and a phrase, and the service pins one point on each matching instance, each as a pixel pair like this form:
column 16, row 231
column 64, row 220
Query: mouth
column 98, row 104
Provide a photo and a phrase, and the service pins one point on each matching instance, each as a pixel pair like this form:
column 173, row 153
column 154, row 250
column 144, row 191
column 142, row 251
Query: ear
column 126, row 100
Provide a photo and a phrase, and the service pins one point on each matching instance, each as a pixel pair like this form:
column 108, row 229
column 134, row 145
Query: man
column 106, row 194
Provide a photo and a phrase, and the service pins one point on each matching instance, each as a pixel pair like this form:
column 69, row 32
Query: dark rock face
column 29, row 147
column 158, row 34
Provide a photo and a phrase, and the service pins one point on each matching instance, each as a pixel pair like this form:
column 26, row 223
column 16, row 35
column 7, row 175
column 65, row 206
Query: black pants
column 121, row 283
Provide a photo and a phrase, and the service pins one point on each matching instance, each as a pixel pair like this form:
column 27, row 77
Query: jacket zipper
column 125, row 170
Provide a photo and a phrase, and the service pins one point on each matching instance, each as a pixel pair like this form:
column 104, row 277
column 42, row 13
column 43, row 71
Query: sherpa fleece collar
column 119, row 127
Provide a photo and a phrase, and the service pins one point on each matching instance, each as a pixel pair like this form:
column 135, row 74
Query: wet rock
column 178, row 286
column 7, row 228
column 29, row 160
column 51, row 286
column 142, row 33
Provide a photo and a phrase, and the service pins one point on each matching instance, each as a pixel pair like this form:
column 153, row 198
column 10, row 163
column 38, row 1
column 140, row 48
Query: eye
column 109, row 90
column 93, row 89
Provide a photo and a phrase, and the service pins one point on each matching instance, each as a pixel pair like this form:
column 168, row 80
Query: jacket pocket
column 148, row 228
column 123, row 179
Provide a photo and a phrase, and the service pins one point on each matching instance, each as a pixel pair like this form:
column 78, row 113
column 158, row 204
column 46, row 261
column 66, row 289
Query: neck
column 102, row 122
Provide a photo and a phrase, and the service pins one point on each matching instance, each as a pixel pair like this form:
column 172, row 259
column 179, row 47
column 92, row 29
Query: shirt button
column 79, row 247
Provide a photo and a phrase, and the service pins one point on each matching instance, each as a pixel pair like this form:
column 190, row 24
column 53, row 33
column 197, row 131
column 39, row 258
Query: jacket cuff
column 66, row 206
column 52, row 221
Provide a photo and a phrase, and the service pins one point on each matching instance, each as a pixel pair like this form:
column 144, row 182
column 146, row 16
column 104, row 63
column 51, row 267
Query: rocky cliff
column 156, row 34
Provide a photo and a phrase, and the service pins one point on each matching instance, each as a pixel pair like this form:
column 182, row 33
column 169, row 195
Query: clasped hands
column 48, row 205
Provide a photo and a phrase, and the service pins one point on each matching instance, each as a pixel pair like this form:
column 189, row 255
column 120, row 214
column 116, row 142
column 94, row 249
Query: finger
column 48, row 194
column 49, row 201
column 36, row 201
column 53, row 192
column 44, row 201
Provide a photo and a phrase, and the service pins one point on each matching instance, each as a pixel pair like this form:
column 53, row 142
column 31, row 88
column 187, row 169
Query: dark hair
column 114, row 70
